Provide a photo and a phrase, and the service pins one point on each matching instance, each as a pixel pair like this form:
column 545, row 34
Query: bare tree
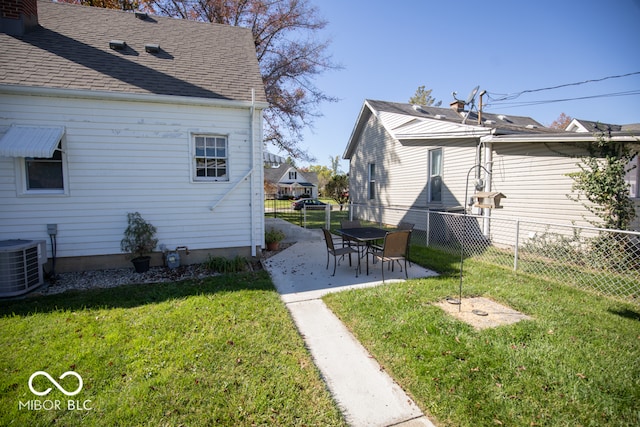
column 289, row 52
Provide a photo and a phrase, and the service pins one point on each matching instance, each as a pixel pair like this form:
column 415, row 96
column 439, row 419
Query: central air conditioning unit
column 21, row 264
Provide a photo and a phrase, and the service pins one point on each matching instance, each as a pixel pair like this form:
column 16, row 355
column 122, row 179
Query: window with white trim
column 372, row 181
column 211, row 161
column 435, row 175
column 44, row 175
column 293, row 175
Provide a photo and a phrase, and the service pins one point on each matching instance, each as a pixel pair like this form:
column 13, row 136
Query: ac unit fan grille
column 20, row 269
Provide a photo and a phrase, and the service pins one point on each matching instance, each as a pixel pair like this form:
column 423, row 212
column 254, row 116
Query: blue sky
column 389, row 48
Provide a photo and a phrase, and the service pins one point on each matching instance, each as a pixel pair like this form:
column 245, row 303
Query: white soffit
column 30, row 141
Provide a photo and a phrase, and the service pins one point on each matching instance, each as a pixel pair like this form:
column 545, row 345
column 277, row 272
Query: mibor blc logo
column 55, row 383
column 48, row 405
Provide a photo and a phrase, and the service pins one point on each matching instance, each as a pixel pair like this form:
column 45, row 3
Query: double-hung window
column 45, row 174
column 372, row 181
column 211, row 158
column 435, row 175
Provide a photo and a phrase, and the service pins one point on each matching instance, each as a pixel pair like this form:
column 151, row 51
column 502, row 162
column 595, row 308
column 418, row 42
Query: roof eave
column 126, row 96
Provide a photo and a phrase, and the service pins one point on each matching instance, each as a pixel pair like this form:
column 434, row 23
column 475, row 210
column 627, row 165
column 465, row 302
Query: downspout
column 252, row 110
column 488, row 155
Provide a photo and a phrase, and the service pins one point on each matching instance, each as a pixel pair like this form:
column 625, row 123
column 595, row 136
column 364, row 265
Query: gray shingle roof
column 70, row 50
column 496, row 121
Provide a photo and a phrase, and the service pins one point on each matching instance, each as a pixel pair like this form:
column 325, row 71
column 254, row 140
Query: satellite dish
column 472, row 95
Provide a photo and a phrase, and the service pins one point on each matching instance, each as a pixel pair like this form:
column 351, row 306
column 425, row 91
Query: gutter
column 571, row 137
column 131, row 97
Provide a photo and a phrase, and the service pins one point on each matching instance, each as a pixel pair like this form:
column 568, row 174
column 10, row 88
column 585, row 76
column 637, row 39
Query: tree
column 561, row 122
column 288, row 50
column 324, row 176
column 600, row 184
column 423, row 97
column 335, row 165
column 338, row 189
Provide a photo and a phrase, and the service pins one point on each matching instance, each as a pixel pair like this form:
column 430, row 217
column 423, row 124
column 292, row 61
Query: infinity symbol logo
column 55, row 383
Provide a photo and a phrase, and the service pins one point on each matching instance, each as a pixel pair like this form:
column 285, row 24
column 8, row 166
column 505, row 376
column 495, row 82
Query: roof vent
column 439, row 116
column 532, row 127
column 152, row 48
column 419, row 109
column 117, row 44
column 141, row 15
column 490, row 122
column 503, row 117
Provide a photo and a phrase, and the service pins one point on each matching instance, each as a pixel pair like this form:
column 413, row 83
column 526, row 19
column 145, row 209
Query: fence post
column 304, row 216
column 515, row 248
column 427, row 241
column 327, row 216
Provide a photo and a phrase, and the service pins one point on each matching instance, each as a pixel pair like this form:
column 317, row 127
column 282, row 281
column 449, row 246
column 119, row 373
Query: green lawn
column 576, row 363
column 222, row 351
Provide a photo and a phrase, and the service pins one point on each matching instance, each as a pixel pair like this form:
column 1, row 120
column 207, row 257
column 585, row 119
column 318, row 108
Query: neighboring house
column 403, row 156
column 105, row 112
column 289, row 182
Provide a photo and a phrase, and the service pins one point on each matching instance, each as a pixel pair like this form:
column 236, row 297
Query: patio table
column 364, row 235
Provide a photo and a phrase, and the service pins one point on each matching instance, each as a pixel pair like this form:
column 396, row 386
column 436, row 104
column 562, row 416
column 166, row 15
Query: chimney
column 18, row 16
column 457, row 106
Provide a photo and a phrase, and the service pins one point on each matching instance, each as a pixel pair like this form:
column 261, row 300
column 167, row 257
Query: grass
column 222, row 351
column 575, row 363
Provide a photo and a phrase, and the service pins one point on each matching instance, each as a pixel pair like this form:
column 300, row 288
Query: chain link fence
column 600, row 260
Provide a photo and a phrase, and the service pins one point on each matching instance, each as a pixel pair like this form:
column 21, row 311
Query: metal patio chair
column 394, row 249
column 337, row 252
column 346, row 241
column 407, row 226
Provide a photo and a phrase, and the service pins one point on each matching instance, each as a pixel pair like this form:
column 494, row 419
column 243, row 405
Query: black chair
column 336, row 252
column 347, row 241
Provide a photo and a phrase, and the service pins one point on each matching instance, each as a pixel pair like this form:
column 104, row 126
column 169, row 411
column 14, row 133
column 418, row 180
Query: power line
column 505, row 97
column 551, row 101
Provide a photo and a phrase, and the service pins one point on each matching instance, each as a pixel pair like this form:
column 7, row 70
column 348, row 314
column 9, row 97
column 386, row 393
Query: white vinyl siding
column 534, row 178
column 133, row 156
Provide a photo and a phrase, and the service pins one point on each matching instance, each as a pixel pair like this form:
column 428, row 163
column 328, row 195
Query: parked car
column 309, row 203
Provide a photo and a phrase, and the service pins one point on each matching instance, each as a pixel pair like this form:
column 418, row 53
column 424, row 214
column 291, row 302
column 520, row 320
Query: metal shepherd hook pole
column 464, row 227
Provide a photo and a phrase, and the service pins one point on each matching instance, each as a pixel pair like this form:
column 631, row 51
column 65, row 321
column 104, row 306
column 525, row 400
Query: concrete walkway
column 366, row 395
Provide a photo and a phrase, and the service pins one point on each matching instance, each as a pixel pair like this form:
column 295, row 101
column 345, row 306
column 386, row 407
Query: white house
column 105, row 112
column 403, row 156
column 290, row 182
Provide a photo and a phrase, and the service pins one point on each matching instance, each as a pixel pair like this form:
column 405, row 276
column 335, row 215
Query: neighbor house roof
column 406, row 122
column 71, row 50
column 411, row 122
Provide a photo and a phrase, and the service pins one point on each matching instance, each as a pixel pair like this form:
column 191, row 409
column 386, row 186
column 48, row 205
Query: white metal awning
column 30, row 141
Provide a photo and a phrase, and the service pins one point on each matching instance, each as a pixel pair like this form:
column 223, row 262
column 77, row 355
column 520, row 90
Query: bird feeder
column 488, row 200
